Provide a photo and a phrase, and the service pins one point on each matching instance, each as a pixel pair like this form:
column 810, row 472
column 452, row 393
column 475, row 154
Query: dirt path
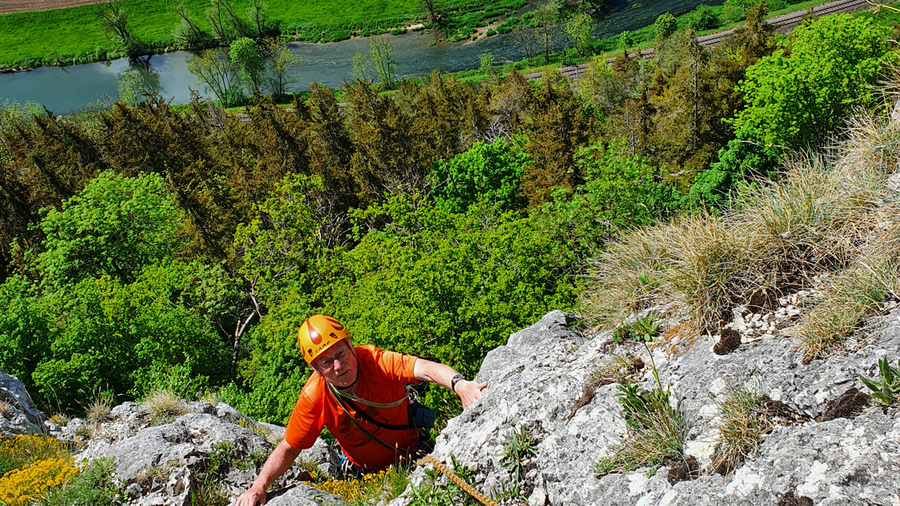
column 9, row 6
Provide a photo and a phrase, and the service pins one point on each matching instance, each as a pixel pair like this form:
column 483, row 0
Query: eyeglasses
column 327, row 364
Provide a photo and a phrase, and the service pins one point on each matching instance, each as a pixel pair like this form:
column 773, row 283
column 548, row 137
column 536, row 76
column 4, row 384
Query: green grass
column 74, row 35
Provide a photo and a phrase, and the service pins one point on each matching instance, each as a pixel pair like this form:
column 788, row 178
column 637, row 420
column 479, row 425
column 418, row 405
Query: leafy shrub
column 704, row 17
column 665, row 26
column 114, row 227
column 797, row 99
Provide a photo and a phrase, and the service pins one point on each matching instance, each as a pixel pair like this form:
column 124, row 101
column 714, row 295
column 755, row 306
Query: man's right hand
column 252, row 497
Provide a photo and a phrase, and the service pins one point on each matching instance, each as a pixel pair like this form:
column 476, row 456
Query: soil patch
column 687, row 469
column 9, row 6
column 729, row 340
column 850, row 403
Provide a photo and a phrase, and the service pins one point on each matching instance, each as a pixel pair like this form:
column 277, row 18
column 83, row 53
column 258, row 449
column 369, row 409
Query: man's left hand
column 469, row 391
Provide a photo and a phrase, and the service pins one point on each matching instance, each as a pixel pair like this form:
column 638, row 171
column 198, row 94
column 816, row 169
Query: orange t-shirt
column 383, row 376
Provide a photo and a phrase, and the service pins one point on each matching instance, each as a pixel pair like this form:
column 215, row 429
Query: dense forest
column 148, row 247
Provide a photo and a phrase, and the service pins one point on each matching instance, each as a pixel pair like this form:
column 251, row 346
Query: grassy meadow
column 74, row 35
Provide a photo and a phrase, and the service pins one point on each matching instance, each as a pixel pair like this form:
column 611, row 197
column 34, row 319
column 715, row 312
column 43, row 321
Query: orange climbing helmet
column 319, row 333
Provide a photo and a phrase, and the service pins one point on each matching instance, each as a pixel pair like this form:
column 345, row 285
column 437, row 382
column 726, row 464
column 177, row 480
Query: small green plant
column 643, row 330
column 638, row 404
column 221, row 458
column 886, row 388
column 655, row 439
column 94, row 484
column 517, row 452
column 656, row 430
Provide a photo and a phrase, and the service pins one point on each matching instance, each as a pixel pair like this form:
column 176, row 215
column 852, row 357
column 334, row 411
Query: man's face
column 338, row 365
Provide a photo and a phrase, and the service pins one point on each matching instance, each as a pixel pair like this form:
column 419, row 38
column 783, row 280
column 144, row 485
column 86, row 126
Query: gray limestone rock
column 534, row 381
column 304, row 495
column 17, row 412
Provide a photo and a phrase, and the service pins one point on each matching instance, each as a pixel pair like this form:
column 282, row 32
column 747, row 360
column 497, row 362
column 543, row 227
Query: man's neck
column 352, row 389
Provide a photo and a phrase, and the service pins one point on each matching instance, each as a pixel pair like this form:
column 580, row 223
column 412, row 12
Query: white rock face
column 17, row 412
column 534, row 381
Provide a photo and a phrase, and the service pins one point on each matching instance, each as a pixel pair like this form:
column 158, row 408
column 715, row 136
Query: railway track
column 786, row 23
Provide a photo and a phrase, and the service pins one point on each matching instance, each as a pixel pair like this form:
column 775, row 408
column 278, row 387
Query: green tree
column 272, row 372
column 113, row 228
column 215, row 68
column 246, row 55
column 285, row 238
column 578, row 28
column 546, row 17
column 665, row 26
column 26, row 331
column 359, row 68
column 382, row 54
column 282, row 64
column 703, row 17
column 445, row 285
column 795, row 99
column 114, row 20
column 489, row 173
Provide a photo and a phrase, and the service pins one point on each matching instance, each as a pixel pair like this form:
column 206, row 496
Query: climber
column 360, row 394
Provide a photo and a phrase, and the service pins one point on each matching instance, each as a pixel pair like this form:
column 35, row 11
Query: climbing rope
column 478, row 496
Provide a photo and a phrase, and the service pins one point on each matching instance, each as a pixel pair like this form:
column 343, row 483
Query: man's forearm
column 278, row 462
column 468, row 391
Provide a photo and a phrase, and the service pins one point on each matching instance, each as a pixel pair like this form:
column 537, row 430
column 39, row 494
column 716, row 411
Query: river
column 66, row 89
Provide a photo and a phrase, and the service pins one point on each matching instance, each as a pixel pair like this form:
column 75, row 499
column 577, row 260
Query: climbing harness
column 337, row 392
column 344, row 399
column 478, row 496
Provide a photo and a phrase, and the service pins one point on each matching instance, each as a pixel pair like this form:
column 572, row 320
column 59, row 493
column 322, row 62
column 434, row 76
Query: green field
column 74, row 35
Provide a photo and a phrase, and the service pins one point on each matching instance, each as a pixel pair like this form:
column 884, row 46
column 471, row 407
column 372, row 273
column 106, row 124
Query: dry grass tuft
column 60, row 419
column 827, row 215
column 7, row 410
column 616, row 369
column 659, row 442
column 627, row 277
column 853, row 295
column 164, row 406
column 98, row 409
column 742, row 426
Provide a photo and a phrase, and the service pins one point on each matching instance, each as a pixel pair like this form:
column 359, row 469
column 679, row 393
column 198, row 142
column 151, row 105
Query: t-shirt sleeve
column 306, row 420
column 396, row 366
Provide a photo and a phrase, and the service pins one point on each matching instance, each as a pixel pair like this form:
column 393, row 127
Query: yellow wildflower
column 24, row 486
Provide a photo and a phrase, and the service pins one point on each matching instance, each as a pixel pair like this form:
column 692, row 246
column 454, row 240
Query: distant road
column 787, row 21
column 9, row 6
